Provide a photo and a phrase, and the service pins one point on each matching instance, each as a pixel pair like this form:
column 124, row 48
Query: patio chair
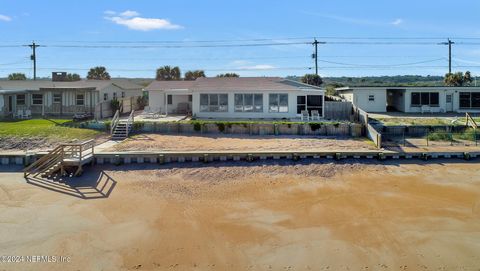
column 305, row 116
column 425, row 109
column 315, row 115
column 19, row 114
column 27, row 114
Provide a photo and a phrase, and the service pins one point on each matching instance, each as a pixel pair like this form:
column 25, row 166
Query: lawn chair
column 27, row 114
column 305, row 116
column 19, row 114
column 315, row 115
column 425, row 109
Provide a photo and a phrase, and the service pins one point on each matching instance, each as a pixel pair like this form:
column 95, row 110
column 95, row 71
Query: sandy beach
column 157, row 142
column 240, row 216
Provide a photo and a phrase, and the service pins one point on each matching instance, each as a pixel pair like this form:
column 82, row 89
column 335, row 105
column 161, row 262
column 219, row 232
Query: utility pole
column 449, row 43
column 33, row 57
column 315, row 55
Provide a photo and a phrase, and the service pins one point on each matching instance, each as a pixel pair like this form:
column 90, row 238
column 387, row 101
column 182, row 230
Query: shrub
column 221, row 127
column 315, row 126
column 197, row 126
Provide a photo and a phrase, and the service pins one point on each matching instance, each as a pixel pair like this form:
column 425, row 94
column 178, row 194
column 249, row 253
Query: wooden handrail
column 469, row 120
column 115, row 120
column 130, row 121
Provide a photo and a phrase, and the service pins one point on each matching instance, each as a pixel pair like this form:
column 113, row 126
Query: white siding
column 361, row 99
column 156, row 100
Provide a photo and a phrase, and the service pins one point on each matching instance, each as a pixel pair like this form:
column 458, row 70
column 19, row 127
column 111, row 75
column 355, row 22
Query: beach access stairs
column 120, row 129
column 62, row 159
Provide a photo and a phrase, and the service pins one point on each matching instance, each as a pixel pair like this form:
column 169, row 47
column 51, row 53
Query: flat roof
column 233, row 84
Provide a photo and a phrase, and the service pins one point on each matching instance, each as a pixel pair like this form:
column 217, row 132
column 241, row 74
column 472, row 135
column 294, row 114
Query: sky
column 248, row 37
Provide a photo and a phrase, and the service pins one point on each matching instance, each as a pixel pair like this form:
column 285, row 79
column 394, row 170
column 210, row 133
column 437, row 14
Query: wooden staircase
column 121, row 128
column 62, row 157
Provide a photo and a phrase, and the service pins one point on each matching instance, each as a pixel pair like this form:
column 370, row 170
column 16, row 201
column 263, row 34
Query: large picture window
column 37, row 99
column 213, row 102
column 278, row 103
column 425, row 98
column 469, row 100
column 248, row 103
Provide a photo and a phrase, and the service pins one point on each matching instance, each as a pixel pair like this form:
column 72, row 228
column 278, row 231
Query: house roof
column 232, row 84
column 83, row 84
column 406, row 87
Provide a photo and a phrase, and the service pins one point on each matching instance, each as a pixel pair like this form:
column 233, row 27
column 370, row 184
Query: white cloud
column 129, row 13
column 5, row 18
column 258, row 67
column 132, row 20
column 397, row 22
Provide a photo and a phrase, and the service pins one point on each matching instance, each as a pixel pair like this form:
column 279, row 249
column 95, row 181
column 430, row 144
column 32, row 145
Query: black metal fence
column 468, row 137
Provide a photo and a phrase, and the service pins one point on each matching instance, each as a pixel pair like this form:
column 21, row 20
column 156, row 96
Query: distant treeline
column 398, row 80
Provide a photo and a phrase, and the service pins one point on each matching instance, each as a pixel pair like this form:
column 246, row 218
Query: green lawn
column 49, row 128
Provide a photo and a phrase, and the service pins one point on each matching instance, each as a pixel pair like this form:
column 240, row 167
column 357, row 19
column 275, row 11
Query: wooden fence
column 338, row 110
column 104, row 109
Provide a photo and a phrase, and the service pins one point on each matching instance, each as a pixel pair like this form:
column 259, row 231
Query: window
column 469, row 100
column 425, row 98
column 114, row 95
column 213, row 102
column 80, row 99
column 105, row 96
column 169, row 99
column 190, row 98
column 278, row 103
column 301, row 104
column 371, row 98
column 21, row 99
column 248, row 103
column 123, row 94
column 57, row 98
column 37, row 99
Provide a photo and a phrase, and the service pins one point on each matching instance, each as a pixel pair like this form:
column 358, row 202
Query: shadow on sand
column 94, row 184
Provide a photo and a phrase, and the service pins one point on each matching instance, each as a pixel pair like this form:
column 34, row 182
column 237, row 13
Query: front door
column 10, row 104
column 449, row 102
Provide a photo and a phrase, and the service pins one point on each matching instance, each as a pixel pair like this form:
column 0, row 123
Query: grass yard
column 45, row 128
column 418, row 121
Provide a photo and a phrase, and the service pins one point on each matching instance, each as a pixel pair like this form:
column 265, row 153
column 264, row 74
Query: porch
column 47, row 102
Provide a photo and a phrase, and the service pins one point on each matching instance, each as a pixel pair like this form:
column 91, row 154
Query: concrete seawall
column 119, row 158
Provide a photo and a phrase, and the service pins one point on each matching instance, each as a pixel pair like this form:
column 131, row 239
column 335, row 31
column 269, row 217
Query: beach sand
column 240, row 216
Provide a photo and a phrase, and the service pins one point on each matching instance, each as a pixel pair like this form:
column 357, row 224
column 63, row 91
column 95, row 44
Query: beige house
column 52, row 98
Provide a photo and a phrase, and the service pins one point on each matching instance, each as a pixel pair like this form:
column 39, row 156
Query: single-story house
column 413, row 99
column 236, row 98
column 52, row 98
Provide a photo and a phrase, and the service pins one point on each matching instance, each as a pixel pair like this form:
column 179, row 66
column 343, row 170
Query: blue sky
column 107, row 22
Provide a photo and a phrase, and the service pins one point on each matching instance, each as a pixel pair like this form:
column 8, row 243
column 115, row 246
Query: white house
column 414, row 99
column 52, row 98
column 240, row 98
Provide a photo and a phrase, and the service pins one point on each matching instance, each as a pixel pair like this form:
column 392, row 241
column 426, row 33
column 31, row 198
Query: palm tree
column 228, row 75
column 73, row 77
column 312, row 79
column 167, row 73
column 192, row 75
column 17, row 76
column 98, row 73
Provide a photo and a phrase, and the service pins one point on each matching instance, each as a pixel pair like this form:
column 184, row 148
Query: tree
column 167, row 73
column 73, row 77
column 312, row 79
column 192, row 75
column 17, row 76
column 98, row 73
column 228, row 75
column 457, row 79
